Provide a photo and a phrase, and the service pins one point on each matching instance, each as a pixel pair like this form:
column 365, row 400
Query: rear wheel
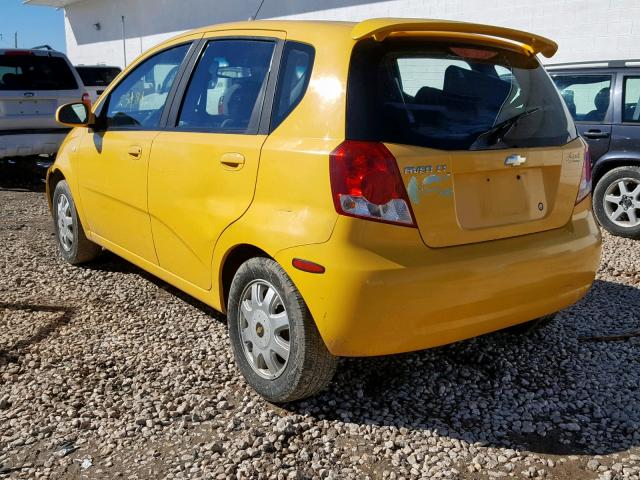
column 616, row 201
column 73, row 244
column 275, row 341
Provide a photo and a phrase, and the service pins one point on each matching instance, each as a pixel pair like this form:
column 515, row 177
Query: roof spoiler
column 381, row 28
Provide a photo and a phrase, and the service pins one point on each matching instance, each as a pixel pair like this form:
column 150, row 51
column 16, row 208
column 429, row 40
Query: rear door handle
column 596, row 134
column 232, row 160
column 135, row 151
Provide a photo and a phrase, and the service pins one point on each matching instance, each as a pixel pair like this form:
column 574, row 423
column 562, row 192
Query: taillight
column 366, row 183
column 86, row 99
column 585, row 179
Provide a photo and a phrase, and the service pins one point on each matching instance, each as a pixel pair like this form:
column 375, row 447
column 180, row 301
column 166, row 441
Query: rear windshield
column 452, row 97
column 35, row 72
column 97, row 76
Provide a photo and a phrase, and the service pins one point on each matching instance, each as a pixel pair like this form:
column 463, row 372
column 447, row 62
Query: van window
column 35, row 72
column 452, row 96
column 295, row 72
column 587, row 96
column 226, row 90
column 631, row 108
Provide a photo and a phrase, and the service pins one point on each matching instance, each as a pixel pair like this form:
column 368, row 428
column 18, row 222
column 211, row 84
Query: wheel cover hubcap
column 65, row 222
column 264, row 329
column 622, row 202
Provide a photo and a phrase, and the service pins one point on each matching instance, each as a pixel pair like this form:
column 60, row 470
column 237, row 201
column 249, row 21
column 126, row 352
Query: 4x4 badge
column 515, row 160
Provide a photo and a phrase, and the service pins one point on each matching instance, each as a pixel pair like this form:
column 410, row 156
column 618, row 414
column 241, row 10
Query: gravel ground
column 106, row 372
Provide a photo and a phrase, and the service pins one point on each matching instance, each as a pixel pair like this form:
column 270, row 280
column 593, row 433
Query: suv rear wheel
column 616, row 201
column 275, row 341
column 73, row 244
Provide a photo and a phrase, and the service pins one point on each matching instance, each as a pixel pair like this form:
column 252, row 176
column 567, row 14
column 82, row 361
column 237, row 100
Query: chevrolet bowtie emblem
column 515, row 160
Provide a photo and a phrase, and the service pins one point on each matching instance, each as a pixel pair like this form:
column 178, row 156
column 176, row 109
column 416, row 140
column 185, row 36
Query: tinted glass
column 225, row 92
column 631, row 110
column 139, row 98
column 97, row 76
column 587, row 96
column 295, row 72
column 35, row 72
column 452, row 97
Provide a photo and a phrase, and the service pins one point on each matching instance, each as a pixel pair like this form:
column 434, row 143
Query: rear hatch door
column 483, row 141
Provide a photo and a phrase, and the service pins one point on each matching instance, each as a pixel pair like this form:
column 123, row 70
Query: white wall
column 585, row 29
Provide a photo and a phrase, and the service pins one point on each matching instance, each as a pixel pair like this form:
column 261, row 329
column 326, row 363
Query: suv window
column 587, row 96
column 631, row 110
column 27, row 71
column 226, row 89
column 97, row 76
column 452, row 97
column 295, row 72
column 139, row 98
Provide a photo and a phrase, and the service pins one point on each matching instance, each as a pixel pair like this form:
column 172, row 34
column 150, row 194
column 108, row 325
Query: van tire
column 309, row 367
column 609, row 179
column 80, row 249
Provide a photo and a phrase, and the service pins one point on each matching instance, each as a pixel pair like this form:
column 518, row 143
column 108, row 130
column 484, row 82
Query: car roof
column 595, row 65
column 380, row 28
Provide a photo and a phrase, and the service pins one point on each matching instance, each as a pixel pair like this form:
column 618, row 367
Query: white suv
column 33, row 84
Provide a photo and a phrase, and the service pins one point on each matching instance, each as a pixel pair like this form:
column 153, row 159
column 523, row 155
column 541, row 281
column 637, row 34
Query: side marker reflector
column 307, row 266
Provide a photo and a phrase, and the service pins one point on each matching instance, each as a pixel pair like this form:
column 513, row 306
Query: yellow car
column 337, row 189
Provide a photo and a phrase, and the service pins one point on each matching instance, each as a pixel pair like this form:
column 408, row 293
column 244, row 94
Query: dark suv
column 604, row 99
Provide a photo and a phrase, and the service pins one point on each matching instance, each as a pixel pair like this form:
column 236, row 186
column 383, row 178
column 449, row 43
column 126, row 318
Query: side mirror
column 75, row 114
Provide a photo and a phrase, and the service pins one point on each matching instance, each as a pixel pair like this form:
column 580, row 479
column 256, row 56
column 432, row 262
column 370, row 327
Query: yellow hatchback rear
column 343, row 189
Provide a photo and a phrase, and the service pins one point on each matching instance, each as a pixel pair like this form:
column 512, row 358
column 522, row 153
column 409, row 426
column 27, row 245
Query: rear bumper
column 36, row 142
column 384, row 292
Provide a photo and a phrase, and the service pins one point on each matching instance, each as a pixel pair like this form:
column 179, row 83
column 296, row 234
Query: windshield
column 452, row 97
column 35, row 72
column 97, row 76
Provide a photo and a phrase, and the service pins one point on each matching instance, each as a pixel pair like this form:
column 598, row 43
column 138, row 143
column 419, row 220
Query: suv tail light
column 86, row 99
column 366, row 183
column 585, row 179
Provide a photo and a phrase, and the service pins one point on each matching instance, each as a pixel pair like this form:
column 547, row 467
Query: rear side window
column 97, row 76
column 226, row 91
column 631, row 108
column 452, row 97
column 35, row 72
column 587, row 96
column 295, row 72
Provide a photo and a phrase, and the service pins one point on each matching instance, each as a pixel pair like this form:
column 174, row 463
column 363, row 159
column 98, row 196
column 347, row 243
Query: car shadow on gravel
column 27, row 174
column 62, row 316
column 565, row 389
column 110, row 262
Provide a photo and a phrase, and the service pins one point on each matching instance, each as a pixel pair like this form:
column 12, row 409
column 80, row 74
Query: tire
column 73, row 244
column 610, row 186
column 531, row 326
column 260, row 335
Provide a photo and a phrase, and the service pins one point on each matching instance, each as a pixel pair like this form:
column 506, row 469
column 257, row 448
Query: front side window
column 138, row 100
column 226, row 89
column 452, row 97
column 587, row 96
column 631, row 108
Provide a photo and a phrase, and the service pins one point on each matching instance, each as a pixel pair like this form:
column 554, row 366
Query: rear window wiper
column 497, row 132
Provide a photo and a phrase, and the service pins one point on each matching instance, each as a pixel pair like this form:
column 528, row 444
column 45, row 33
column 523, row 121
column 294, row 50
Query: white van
column 33, row 84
